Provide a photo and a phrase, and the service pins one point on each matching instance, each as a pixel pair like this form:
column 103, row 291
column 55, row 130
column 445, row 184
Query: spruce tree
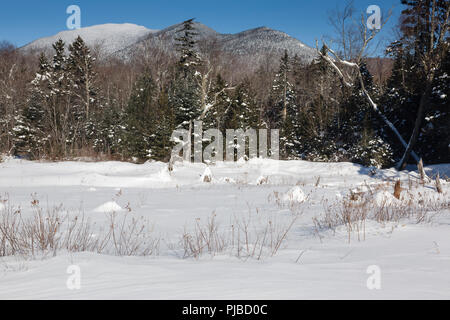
column 82, row 75
column 83, row 79
column 186, row 47
column 361, row 132
column 415, row 99
column 401, row 98
column 149, row 122
column 29, row 132
column 320, row 116
column 165, row 124
column 283, row 112
column 219, row 101
column 242, row 112
column 140, row 120
column 432, row 145
column 59, row 105
column 107, row 136
column 185, row 91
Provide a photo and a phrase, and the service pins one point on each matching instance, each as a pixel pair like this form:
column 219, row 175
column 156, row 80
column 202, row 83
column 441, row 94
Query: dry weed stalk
column 353, row 212
column 398, row 189
column 247, row 237
column 52, row 230
column 438, row 184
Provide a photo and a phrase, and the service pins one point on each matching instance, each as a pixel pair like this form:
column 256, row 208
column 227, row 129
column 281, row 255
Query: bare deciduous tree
column 349, row 73
column 431, row 61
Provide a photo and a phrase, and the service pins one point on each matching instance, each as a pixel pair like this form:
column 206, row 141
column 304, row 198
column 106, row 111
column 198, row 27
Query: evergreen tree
column 320, row 114
column 58, row 105
column 401, row 98
column 242, row 112
column 361, row 132
column 165, row 124
column 186, row 47
column 219, row 101
column 283, row 112
column 139, row 120
column 185, row 91
column 432, row 145
column 40, row 130
column 29, row 132
column 82, row 75
column 148, row 123
column 415, row 100
column 107, row 135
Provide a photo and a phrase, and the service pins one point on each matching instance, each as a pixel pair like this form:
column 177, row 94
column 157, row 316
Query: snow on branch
column 349, row 81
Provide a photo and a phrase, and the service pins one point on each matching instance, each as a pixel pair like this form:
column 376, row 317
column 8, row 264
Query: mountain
column 127, row 40
column 255, row 42
column 266, row 40
column 109, row 38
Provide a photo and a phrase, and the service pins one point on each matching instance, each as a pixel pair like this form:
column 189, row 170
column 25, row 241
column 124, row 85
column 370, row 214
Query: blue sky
column 22, row 21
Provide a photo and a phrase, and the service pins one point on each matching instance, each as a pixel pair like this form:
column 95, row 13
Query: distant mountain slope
column 164, row 39
column 266, row 40
column 127, row 40
column 109, row 37
column 254, row 42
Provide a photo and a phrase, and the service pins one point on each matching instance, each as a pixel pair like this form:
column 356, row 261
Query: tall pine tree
column 185, row 90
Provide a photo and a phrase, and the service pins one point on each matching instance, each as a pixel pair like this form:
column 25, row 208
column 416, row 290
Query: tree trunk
column 415, row 135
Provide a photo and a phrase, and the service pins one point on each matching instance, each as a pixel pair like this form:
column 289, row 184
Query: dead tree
column 431, row 61
column 349, row 74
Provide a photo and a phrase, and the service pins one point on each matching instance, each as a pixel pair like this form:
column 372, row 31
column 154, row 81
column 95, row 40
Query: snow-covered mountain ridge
column 126, row 40
column 109, row 38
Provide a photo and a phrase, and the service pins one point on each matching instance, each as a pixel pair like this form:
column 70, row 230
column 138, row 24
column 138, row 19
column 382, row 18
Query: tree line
column 75, row 104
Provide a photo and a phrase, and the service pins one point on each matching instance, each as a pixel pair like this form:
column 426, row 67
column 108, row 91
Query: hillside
column 126, row 40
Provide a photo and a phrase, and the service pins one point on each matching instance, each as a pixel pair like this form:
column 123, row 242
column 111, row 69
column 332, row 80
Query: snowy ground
column 413, row 258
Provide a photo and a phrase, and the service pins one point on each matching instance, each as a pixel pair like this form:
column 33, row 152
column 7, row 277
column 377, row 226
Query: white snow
column 262, row 180
column 384, row 198
column 296, row 194
column 414, row 258
column 207, row 175
column 110, row 37
column 108, row 207
column 124, row 40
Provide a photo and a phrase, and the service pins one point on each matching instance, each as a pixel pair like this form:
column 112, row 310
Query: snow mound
column 262, row 180
column 108, row 207
column 162, row 176
column 227, row 180
column 6, row 158
column 2, row 206
column 384, row 198
column 296, row 194
column 207, row 175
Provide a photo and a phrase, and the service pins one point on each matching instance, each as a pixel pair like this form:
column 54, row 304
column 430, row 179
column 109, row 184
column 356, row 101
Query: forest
column 343, row 106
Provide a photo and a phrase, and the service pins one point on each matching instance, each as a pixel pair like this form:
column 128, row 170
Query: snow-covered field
column 298, row 247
